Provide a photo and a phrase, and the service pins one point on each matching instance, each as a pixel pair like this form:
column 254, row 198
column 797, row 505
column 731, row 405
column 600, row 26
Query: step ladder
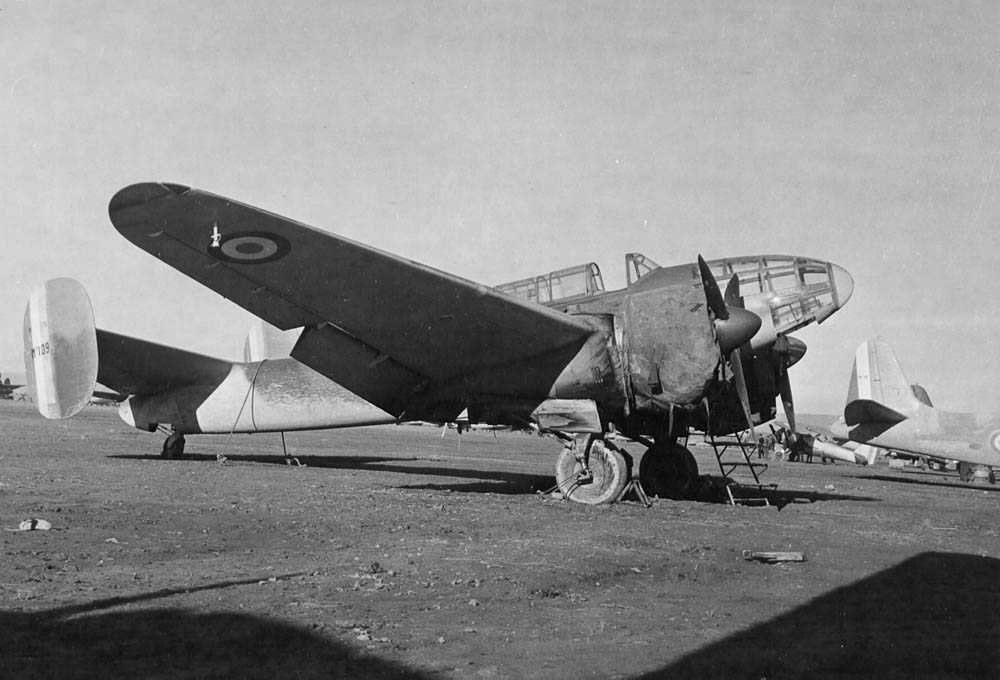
column 740, row 457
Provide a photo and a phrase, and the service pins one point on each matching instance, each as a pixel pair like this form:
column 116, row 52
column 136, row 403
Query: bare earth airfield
column 395, row 552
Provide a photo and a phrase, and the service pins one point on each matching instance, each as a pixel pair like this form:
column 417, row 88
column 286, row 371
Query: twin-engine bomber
column 380, row 339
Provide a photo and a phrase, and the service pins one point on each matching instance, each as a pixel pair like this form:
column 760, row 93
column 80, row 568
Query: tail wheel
column 600, row 481
column 173, row 447
column 669, row 471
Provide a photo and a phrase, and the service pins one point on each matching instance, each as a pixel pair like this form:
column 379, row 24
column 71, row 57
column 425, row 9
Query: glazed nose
column 843, row 284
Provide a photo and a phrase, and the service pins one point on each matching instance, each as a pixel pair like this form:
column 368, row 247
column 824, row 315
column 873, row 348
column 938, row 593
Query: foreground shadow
column 520, row 482
column 934, row 480
column 86, row 641
column 933, row 615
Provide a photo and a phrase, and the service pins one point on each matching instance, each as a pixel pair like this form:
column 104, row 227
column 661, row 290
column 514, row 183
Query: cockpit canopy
column 787, row 292
column 564, row 285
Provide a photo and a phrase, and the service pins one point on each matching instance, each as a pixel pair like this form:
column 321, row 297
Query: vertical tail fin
column 60, row 348
column 264, row 341
column 879, row 390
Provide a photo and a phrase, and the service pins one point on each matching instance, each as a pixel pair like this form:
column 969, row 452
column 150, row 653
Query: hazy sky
column 499, row 140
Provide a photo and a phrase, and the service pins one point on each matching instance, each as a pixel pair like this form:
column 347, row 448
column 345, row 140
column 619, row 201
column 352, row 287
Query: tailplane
column 60, row 348
column 879, row 391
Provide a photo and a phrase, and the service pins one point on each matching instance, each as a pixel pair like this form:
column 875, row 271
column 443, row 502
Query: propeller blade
column 732, row 295
column 788, row 351
column 712, row 293
column 736, row 363
column 785, row 390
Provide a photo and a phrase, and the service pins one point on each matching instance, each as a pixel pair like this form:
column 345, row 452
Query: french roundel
column 995, row 441
column 250, row 247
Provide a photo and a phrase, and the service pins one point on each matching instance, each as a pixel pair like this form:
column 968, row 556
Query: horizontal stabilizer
column 60, row 348
column 134, row 366
column 862, row 411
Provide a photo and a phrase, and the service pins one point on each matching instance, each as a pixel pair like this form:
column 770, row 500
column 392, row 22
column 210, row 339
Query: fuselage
column 274, row 395
column 653, row 347
column 966, row 437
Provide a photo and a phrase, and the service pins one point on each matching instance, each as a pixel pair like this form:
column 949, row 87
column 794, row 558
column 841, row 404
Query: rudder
column 60, row 348
column 878, row 377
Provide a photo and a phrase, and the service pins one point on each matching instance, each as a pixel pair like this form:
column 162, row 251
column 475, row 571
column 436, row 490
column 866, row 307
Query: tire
column 609, row 475
column 668, row 472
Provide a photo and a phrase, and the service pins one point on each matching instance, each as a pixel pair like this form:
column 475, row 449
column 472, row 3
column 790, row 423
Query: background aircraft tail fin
column 879, row 390
column 60, row 348
column 265, row 341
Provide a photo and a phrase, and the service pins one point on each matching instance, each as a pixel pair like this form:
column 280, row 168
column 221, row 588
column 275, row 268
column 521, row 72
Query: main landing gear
column 593, row 470
column 668, row 470
column 173, row 447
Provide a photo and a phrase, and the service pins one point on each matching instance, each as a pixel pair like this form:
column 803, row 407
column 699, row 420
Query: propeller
column 734, row 326
column 782, row 350
column 787, row 351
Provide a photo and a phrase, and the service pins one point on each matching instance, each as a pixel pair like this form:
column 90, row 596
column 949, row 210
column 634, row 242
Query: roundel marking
column 250, row 247
column 995, row 441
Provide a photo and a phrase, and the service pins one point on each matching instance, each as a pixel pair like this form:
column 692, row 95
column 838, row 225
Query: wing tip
column 137, row 194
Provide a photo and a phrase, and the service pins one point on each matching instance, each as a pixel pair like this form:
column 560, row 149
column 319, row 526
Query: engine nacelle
column 669, row 339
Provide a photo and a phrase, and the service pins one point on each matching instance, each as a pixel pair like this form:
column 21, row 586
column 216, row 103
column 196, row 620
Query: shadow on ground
column 935, row 480
column 88, row 641
column 492, row 481
column 933, row 615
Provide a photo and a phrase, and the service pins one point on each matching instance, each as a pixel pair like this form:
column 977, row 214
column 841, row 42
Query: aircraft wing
column 389, row 329
column 132, row 366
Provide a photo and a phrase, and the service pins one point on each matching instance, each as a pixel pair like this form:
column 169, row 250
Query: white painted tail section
column 265, row 341
column 60, row 348
column 878, row 377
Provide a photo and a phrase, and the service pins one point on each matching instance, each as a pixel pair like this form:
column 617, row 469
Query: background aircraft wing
column 389, row 329
column 132, row 366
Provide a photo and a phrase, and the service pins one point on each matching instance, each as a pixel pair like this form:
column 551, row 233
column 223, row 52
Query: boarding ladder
column 737, row 453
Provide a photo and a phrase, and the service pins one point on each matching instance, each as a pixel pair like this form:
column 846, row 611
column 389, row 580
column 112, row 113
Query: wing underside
column 384, row 327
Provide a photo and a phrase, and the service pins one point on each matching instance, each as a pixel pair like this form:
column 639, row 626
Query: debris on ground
column 34, row 524
column 773, row 557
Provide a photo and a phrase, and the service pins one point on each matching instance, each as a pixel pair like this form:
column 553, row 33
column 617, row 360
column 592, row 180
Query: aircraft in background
column 381, row 339
column 885, row 410
column 7, row 389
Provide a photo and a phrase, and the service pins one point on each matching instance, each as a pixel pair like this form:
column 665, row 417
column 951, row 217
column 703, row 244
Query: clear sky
column 498, row 140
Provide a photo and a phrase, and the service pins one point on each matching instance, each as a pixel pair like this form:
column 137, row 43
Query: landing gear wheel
column 607, row 477
column 668, row 472
column 173, row 447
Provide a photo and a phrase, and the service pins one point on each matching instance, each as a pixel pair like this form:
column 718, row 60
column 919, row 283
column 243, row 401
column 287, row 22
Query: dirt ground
column 395, row 552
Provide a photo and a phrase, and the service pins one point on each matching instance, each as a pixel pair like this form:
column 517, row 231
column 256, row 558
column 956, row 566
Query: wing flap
column 133, row 366
column 433, row 325
column 369, row 374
